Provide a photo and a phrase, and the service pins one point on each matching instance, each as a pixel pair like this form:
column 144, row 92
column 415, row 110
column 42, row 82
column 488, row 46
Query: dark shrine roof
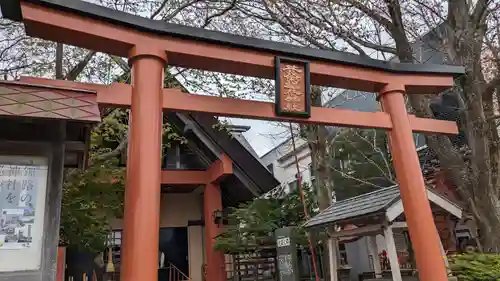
column 11, row 10
column 369, row 203
column 234, row 189
column 248, row 162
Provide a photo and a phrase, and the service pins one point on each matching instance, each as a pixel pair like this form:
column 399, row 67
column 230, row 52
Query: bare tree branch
column 350, row 38
column 479, row 13
column 209, row 19
column 121, row 148
column 174, row 13
column 121, row 63
column 79, row 67
column 160, row 8
column 385, row 22
column 492, row 85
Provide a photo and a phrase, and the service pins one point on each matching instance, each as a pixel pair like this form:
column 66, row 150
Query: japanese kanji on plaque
column 292, row 88
column 22, row 181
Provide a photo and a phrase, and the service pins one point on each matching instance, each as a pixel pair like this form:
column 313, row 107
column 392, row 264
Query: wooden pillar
column 332, row 253
column 373, row 250
column 417, row 209
column 445, row 257
column 392, row 254
column 195, row 252
column 142, row 193
column 212, row 201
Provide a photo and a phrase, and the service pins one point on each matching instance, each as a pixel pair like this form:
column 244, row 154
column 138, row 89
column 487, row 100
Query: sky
column 263, row 135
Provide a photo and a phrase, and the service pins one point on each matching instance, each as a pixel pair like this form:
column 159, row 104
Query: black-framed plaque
column 286, row 249
column 293, row 88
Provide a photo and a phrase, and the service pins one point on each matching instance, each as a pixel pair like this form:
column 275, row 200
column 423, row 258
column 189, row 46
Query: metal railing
column 175, row 274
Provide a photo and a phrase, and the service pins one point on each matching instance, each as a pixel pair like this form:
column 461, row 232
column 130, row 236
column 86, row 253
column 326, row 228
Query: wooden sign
column 292, row 83
column 286, row 249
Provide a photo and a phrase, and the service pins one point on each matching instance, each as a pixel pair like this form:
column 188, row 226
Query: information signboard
column 23, row 185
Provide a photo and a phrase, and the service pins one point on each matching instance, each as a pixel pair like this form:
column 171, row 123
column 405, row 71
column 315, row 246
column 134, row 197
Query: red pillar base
column 212, row 200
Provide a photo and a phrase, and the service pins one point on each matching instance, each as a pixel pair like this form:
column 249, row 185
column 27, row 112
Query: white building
column 281, row 161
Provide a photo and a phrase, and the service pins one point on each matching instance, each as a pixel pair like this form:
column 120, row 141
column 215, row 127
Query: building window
column 343, row 254
column 419, row 140
column 115, row 238
column 114, row 242
column 294, row 185
column 189, row 159
column 172, row 157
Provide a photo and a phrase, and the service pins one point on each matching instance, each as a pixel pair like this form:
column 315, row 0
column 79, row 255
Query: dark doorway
column 174, row 245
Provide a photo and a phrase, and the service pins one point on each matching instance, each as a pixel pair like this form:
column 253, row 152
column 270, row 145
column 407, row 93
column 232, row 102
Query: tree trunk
column 317, row 137
column 476, row 176
column 59, row 60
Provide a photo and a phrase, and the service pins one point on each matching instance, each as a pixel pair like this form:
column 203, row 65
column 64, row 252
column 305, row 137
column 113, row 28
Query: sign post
column 286, row 249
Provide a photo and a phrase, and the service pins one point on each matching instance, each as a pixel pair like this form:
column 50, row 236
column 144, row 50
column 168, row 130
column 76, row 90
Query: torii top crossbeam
column 110, row 31
column 150, row 45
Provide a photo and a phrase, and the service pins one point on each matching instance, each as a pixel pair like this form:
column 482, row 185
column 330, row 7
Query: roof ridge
column 369, row 193
column 366, row 204
column 355, row 197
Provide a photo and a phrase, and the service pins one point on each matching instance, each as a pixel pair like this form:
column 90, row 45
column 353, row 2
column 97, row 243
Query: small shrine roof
column 376, row 202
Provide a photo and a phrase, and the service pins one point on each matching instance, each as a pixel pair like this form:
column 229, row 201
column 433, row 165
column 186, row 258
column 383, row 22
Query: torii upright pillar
column 142, row 193
column 212, row 202
column 417, row 210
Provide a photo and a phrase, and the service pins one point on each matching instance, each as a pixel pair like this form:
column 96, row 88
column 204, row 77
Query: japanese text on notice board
column 18, row 193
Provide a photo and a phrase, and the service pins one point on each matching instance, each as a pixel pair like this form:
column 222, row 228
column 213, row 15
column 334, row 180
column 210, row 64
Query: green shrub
column 476, row 267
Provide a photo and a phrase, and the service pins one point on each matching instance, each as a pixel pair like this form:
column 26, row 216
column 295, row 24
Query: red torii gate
column 150, row 45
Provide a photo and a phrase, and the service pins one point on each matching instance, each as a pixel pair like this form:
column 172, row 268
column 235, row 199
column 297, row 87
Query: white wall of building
column 282, row 163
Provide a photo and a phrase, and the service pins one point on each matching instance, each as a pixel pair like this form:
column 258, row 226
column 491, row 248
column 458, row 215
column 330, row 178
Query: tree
column 92, row 197
column 476, row 267
column 466, row 33
column 252, row 224
column 361, row 162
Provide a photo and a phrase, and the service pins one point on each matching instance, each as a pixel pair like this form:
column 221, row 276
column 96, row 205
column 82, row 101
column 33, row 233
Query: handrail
column 204, row 272
column 175, row 274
